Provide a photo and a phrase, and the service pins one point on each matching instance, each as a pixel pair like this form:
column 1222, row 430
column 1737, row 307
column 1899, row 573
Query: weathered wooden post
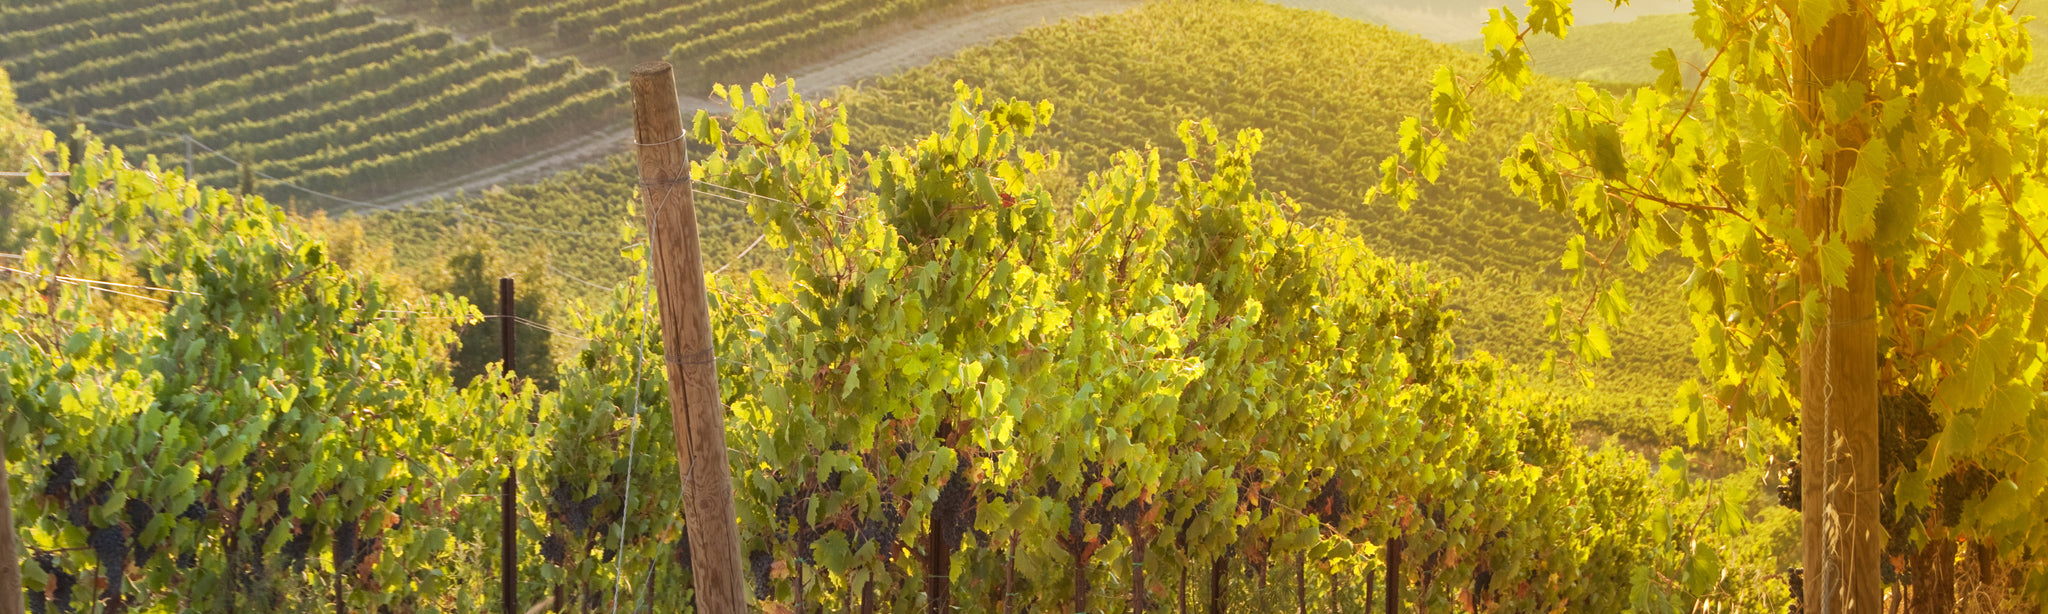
column 10, row 553
column 694, row 405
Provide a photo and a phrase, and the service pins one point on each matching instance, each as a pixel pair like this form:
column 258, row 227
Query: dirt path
column 903, row 48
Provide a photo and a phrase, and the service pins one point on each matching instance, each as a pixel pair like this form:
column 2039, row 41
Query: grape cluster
column 759, row 563
column 1795, row 580
column 579, row 515
column 1330, row 504
column 1907, row 424
column 881, row 527
column 140, row 514
column 196, row 511
column 791, row 522
column 682, row 549
column 785, row 513
column 79, row 511
column 1125, row 516
column 344, row 549
column 62, row 582
column 60, row 473
column 956, row 506
column 1962, row 484
column 554, row 549
column 1789, row 487
column 111, row 545
column 295, row 549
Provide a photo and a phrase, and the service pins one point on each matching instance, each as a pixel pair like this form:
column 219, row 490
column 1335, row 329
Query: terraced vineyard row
column 713, row 39
column 328, row 99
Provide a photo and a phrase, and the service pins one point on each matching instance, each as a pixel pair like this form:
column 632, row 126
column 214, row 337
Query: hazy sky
column 1457, row 20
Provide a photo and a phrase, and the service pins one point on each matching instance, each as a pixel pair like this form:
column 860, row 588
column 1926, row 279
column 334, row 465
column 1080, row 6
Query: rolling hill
column 1328, row 113
column 326, row 98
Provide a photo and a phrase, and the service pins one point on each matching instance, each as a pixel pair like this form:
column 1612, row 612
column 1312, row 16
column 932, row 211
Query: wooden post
column 1841, row 534
column 1370, row 577
column 1301, row 582
column 938, row 564
column 508, row 518
column 694, row 404
column 10, row 553
column 1217, row 572
column 1394, row 548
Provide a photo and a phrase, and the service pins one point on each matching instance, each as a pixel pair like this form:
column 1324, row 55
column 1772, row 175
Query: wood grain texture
column 694, row 402
column 1841, row 532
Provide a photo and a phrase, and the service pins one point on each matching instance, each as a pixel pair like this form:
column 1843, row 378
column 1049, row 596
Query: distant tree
column 1861, row 200
column 472, row 274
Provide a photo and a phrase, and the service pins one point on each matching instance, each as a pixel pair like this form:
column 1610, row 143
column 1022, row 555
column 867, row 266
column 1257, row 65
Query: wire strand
column 632, row 447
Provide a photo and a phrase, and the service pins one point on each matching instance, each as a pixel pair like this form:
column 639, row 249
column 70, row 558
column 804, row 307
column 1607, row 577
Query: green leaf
column 1607, row 154
column 1501, row 28
column 1865, row 189
column 852, row 381
column 1666, row 63
column 1574, row 253
column 1448, row 107
column 1813, row 16
column 1835, row 259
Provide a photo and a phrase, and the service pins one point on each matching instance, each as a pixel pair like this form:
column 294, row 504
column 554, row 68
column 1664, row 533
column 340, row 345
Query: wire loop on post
column 679, row 137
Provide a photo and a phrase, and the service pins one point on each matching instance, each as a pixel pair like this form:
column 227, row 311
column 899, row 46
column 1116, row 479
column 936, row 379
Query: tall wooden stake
column 1840, row 537
column 10, row 553
column 508, row 519
column 1395, row 546
column 694, row 404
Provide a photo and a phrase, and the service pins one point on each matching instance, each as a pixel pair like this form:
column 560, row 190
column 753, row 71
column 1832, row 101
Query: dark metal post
column 508, row 567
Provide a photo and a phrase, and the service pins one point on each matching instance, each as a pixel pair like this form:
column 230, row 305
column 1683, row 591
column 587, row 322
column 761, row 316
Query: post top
column 651, row 67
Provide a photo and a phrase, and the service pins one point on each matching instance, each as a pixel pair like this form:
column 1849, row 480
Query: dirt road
column 900, row 48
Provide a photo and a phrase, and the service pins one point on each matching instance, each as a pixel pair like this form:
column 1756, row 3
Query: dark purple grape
column 760, row 562
column 344, row 549
column 195, row 511
column 139, row 514
column 554, row 549
column 60, row 473
column 111, row 545
column 1330, row 505
column 295, row 549
column 79, row 512
column 683, row 550
column 1789, row 488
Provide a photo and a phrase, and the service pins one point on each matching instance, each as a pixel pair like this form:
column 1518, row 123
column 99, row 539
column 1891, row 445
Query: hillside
column 1620, row 52
column 1612, row 52
column 329, row 99
column 705, row 39
column 1456, row 20
column 1328, row 112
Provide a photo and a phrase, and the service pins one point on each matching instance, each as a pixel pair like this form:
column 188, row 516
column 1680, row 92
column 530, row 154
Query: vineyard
column 1207, row 306
column 709, row 39
column 1327, row 93
column 306, row 93
column 1612, row 52
column 1047, row 395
